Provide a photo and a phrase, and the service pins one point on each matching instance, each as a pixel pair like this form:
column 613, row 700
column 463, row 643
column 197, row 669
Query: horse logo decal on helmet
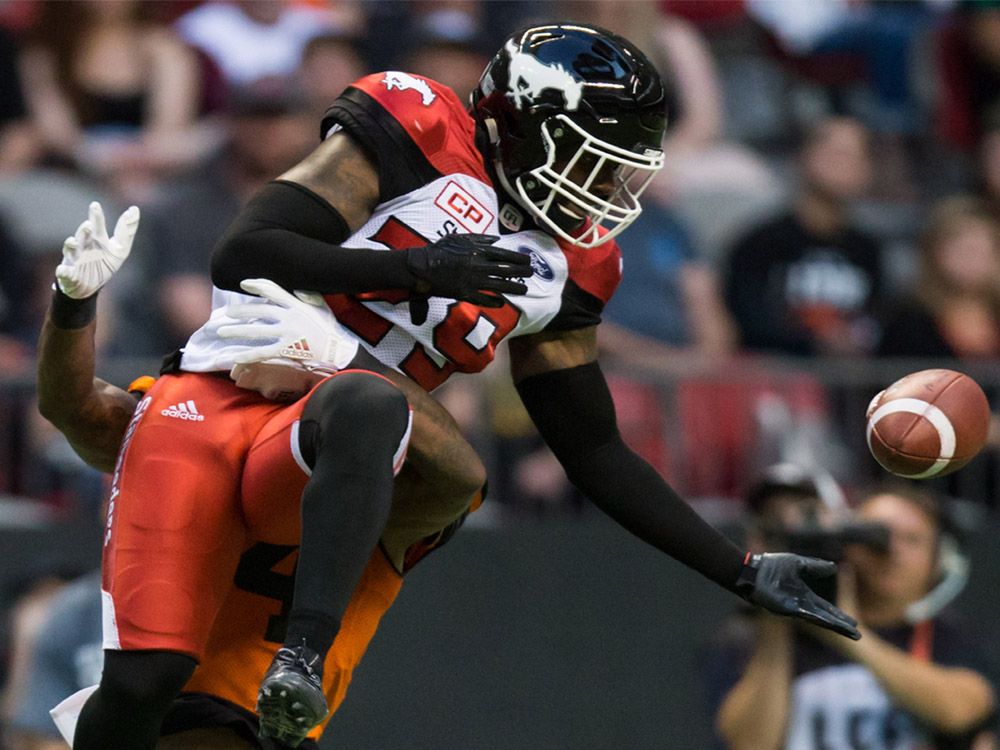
column 529, row 77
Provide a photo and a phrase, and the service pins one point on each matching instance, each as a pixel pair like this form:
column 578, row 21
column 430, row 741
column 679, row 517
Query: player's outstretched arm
column 562, row 387
column 91, row 414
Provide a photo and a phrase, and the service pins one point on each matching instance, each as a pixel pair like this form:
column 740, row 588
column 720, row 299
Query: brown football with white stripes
column 927, row 424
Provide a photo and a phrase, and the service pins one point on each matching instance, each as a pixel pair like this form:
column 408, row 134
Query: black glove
column 465, row 267
column 776, row 581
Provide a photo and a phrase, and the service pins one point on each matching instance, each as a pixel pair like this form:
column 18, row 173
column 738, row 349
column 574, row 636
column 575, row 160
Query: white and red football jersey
column 433, row 182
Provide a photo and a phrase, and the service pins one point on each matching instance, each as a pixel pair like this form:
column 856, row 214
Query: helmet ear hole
column 567, row 143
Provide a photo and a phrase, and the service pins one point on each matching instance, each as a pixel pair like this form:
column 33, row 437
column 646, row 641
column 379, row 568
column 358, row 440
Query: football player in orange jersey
column 440, row 483
column 563, row 136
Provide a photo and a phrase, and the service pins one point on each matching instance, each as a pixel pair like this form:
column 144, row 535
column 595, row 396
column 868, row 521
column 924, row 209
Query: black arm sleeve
column 288, row 234
column 573, row 410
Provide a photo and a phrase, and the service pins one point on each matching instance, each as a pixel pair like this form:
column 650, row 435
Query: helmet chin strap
column 498, row 166
column 491, row 130
column 493, row 133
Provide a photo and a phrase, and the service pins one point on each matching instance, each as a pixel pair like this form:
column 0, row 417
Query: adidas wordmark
column 185, row 410
column 298, row 350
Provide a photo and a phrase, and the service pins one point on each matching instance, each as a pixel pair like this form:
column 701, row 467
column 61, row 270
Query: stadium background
column 541, row 625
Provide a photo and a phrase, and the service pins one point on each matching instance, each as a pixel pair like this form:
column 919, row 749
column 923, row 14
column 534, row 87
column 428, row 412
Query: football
column 927, row 424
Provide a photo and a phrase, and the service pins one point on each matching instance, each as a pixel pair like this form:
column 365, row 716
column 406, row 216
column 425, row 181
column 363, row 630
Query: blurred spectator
column 954, row 310
column 980, row 33
column 28, row 600
column 808, row 282
column 716, row 184
column 269, row 128
column 989, row 171
column 882, row 35
column 15, row 356
column 111, row 91
column 457, row 20
column 51, row 471
column 668, row 300
column 60, row 650
column 916, row 678
column 19, row 144
column 456, row 64
column 449, row 46
column 330, row 63
column 255, row 39
column 38, row 235
column 13, row 288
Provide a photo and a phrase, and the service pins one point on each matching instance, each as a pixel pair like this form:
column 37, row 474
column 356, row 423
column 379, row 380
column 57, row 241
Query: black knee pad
column 148, row 679
column 360, row 411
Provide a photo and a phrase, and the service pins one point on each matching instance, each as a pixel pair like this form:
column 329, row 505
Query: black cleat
column 290, row 701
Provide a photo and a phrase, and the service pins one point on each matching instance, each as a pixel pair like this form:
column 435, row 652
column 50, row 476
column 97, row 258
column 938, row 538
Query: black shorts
column 204, row 711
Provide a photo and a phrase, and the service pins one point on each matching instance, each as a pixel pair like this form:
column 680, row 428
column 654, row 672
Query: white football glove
column 296, row 337
column 91, row 257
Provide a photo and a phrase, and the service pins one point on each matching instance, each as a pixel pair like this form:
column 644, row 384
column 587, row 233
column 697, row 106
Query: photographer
column 914, row 681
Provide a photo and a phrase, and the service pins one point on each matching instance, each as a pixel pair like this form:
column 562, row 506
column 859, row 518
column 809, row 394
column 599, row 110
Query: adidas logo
column 299, row 350
column 186, row 410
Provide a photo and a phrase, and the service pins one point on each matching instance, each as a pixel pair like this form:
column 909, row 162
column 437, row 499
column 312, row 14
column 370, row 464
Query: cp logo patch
column 459, row 204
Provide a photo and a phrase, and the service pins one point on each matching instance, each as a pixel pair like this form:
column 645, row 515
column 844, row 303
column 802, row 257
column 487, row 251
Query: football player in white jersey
column 392, row 220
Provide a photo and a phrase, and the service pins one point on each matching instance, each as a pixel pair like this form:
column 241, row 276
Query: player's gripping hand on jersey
column 91, row 257
column 276, row 236
column 292, row 339
column 778, row 582
column 465, row 267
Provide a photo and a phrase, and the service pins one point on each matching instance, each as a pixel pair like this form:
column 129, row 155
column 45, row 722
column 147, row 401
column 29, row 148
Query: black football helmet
column 575, row 117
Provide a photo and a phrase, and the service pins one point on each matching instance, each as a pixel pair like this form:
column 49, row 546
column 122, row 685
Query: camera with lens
column 799, row 510
column 803, row 511
column 829, row 542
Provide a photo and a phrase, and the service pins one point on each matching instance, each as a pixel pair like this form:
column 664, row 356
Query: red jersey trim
column 432, row 116
column 596, row 270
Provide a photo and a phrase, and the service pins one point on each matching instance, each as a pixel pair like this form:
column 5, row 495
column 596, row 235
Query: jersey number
column 255, row 574
column 467, row 336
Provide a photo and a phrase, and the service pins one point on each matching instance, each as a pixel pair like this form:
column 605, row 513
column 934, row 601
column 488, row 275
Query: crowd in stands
column 831, row 195
column 832, row 190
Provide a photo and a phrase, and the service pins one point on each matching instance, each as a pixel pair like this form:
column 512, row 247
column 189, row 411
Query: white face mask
column 572, row 186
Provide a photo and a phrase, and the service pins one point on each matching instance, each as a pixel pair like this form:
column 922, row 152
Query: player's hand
column 847, row 601
column 298, row 329
column 291, row 343
column 91, row 257
column 777, row 581
column 465, row 267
